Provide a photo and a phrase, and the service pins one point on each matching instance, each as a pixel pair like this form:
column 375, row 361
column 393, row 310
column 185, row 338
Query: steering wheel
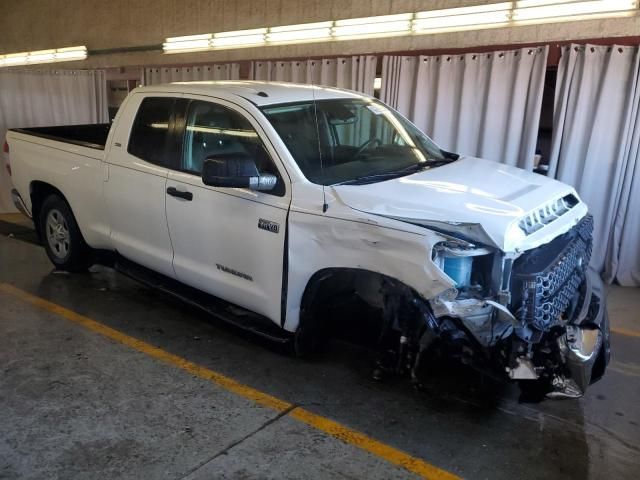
column 368, row 144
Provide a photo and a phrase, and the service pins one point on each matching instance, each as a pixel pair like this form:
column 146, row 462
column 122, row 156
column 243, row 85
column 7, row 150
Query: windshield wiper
column 411, row 169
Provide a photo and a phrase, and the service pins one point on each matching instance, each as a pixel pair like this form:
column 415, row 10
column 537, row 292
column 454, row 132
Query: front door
column 228, row 242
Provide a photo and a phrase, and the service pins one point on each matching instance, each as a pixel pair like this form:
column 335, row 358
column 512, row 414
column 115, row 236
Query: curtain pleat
column 43, row 98
column 353, row 73
column 260, row 71
column 157, row 75
column 595, row 147
column 484, row 105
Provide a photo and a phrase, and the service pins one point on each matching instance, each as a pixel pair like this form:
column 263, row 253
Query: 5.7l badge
column 268, row 225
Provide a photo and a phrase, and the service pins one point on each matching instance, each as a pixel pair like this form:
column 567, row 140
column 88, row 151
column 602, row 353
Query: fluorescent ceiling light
column 372, row 26
column 499, row 14
column 44, row 56
column 559, row 10
column 72, row 53
column 370, row 20
column 239, row 38
column 302, row 26
column 185, row 46
column 449, row 12
column 188, row 38
column 372, row 29
column 241, row 33
column 454, row 22
column 16, row 59
column 237, row 42
column 307, row 31
column 188, row 43
column 211, row 41
column 464, row 18
column 300, row 35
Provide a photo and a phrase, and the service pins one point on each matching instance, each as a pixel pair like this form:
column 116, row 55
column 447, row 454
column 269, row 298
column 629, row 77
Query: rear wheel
column 62, row 239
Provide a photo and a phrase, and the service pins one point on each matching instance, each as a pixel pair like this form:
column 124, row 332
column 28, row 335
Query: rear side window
column 150, row 135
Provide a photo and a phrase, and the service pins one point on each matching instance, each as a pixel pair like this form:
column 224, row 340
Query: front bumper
column 585, row 345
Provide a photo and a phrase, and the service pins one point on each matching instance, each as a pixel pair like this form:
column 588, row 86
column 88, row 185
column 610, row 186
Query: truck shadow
column 19, row 231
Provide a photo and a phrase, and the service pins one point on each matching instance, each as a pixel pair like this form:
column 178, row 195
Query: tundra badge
column 268, row 225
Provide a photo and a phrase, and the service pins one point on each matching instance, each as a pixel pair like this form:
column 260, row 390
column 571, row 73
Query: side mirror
column 236, row 171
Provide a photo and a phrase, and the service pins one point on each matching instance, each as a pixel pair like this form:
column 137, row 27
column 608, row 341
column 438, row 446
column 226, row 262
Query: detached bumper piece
column 585, row 345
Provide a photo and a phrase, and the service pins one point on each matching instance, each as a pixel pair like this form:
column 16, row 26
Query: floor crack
column 234, row 444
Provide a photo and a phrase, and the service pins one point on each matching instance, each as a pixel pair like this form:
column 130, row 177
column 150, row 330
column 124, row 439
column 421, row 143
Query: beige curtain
column 225, row 71
column 30, row 98
column 353, row 73
column 595, row 148
column 484, row 105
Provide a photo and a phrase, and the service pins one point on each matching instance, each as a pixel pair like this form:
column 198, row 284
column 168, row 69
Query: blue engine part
column 459, row 269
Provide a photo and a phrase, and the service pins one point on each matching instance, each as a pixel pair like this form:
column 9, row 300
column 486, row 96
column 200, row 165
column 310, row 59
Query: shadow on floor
column 19, row 232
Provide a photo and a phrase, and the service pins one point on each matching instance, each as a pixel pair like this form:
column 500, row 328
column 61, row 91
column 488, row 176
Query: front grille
column 545, row 280
column 546, row 214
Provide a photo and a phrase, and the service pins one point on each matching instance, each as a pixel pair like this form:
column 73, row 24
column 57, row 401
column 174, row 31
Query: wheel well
column 363, row 303
column 332, row 280
column 39, row 191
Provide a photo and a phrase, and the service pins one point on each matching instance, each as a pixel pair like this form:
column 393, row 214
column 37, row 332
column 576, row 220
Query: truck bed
column 91, row 136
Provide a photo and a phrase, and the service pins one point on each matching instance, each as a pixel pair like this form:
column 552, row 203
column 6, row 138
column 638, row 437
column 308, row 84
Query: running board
column 227, row 312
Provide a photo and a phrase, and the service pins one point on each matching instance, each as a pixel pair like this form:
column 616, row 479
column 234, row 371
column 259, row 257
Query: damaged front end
column 561, row 311
column 538, row 318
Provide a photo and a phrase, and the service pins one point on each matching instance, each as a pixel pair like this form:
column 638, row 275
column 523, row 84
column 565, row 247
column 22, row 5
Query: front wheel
column 62, row 239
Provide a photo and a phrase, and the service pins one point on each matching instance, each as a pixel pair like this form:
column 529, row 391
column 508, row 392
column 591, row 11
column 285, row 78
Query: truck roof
column 259, row 92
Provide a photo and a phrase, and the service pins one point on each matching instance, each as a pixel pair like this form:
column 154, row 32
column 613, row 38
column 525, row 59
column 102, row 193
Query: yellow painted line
column 625, row 368
column 352, row 437
column 379, row 449
column 627, row 332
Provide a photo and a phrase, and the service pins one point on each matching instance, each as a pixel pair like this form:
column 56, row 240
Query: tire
column 61, row 236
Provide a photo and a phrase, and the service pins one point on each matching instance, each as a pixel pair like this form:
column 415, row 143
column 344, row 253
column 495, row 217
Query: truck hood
column 472, row 197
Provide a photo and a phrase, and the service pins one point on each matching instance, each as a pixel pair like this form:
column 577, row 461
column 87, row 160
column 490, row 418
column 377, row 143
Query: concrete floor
column 74, row 404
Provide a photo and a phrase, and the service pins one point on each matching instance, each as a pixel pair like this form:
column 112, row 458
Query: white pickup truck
column 278, row 206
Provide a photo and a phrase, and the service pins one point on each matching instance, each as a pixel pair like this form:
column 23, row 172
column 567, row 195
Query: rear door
column 229, row 242
column 142, row 151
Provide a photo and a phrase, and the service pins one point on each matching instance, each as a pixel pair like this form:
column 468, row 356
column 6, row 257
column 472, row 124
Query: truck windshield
column 353, row 141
